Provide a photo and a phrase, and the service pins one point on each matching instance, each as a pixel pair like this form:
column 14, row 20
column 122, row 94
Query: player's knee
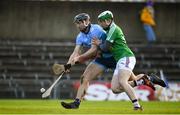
column 84, row 79
column 115, row 91
column 123, row 83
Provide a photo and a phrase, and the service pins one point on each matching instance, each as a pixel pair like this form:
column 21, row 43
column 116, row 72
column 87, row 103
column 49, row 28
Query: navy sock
column 135, row 100
column 77, row 101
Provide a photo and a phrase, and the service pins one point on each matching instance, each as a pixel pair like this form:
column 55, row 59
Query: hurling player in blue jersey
column 96, row 67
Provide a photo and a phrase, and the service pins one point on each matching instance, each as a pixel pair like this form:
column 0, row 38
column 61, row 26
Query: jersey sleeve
column 99, row 33
column 79, row 40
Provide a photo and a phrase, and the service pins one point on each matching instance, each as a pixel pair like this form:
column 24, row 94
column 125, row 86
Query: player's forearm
column 76, row 52
column 90, row 53
column 73, row 55
column 70, row 61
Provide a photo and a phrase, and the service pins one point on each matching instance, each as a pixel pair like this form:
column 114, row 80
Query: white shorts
column 126, row 63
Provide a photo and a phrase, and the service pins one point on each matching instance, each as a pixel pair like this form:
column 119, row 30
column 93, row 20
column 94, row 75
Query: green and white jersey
column 119, row 47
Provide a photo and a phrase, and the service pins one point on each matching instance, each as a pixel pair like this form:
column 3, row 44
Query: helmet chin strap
column 107, row 28
column 86, row 30
column 85, row 24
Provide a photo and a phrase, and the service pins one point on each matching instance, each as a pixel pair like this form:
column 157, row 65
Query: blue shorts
column 105, row 63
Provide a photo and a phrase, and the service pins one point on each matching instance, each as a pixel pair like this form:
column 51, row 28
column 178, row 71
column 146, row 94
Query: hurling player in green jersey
column 116, row 44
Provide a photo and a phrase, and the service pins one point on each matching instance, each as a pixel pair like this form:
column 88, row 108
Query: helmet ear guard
column 81, row 17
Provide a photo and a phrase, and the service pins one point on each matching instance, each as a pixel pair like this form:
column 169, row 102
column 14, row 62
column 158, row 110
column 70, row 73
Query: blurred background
column 35, row 34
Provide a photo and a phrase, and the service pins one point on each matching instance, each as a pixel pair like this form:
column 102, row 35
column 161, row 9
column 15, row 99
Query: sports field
column 87, row 107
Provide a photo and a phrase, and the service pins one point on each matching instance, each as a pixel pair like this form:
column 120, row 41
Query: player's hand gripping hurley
column 58, row 69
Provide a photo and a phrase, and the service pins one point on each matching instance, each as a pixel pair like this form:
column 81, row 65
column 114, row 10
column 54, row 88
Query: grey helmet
column 81, row 17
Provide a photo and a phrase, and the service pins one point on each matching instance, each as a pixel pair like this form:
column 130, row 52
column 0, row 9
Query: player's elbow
column 105, row 47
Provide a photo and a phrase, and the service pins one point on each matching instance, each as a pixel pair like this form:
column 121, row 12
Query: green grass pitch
column 87, row 107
